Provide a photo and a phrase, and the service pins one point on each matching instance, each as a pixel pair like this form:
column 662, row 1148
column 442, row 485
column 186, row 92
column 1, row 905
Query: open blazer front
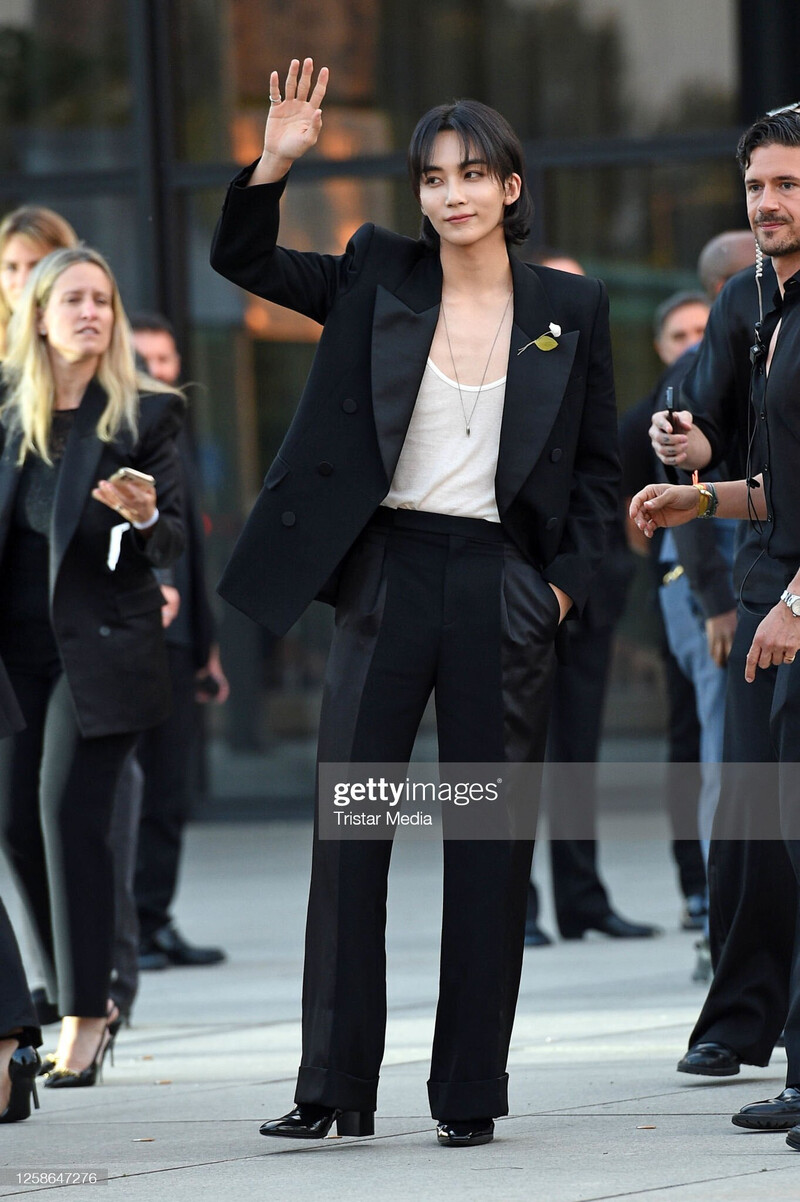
column 557, row 472
column 107, row 621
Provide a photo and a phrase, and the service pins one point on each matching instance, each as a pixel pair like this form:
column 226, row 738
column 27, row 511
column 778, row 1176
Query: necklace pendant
column 468, row 433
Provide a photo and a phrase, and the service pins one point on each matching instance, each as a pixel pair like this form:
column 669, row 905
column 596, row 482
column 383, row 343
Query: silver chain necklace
column 468, row 420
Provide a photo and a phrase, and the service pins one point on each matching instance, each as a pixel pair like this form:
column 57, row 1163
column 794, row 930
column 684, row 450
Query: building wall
column 130, row 117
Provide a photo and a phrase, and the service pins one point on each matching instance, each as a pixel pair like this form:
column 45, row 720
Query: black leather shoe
column 464, row 1133
column 314, row 1122
column 710, row 1060
column 793, row 1139
column 775, row 1114
column 535, row 936
column 169, row 941
column 611, row 924
column 151, row 960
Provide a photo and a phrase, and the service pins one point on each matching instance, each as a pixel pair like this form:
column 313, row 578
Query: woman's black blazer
column 557, row 473
column 107, row 623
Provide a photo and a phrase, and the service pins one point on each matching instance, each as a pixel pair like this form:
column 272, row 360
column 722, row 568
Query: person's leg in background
column 165, row 755
column 576, row 717
column 20, row 822
column 20, row 1034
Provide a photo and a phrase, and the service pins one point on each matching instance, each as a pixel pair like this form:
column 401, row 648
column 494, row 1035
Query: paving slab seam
column 658, row 1189
column 552, row 1040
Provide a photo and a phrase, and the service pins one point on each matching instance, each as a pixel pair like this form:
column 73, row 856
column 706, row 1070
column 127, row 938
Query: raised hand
column 294, row 121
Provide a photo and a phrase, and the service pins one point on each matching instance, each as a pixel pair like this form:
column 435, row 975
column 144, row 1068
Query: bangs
column 484, row 135
column 470, row 147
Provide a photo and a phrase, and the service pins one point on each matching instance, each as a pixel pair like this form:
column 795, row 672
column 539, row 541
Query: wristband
column 146, row 525
column 707, row 505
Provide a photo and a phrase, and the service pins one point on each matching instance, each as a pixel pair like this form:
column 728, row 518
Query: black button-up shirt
column 717, row 391
column 776, row 400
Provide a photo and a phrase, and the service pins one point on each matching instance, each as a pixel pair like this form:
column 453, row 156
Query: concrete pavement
column 598, row 1111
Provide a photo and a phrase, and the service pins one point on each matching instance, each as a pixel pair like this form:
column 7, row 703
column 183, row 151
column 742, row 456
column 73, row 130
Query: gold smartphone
column 130, row 473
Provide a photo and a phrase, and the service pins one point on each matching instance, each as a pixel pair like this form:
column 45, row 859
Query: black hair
column 673, row 303
column 156, row 322
column 782, row 129
column 482, row 132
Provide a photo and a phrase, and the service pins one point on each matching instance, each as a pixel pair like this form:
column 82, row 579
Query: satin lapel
column 77, row 475
column 403, row 326
column 535, row 385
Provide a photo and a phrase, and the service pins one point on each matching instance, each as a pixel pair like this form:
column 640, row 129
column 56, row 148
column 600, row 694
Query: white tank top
column 441, row 469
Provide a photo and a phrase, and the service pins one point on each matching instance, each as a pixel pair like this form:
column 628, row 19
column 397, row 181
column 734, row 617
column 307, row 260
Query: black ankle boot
column 308, row 1121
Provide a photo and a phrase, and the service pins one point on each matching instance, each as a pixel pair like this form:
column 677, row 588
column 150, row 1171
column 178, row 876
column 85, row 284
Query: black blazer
column 107, row 623
column 557, row 471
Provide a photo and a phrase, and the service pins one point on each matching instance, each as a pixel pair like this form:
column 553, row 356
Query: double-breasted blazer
column 107, row 619
column 557, row 472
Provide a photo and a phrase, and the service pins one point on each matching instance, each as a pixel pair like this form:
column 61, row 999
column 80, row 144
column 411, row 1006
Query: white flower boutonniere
column 547, row 341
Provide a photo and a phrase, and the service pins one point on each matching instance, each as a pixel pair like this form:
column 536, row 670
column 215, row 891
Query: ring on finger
column 788, row 659
column 274, row 99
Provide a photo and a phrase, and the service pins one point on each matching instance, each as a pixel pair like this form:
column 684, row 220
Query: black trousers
column 427, row 603
column 164, row 753
column 576, row 721
column 752, row 889
column 785, row 727
column 682, row 785
column 124, row 834
column 16, row 1008
column 56, row 798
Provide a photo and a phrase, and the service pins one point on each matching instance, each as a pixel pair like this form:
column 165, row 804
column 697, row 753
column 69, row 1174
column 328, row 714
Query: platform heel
column 356, row 1122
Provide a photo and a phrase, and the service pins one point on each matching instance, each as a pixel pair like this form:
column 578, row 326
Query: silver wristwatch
column 792, row 600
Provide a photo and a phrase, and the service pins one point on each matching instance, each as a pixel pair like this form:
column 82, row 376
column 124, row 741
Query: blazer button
column 349, row 405
column 551, row 523
column 556, row 454
column 104, row 631
column 325, row 468
column 288, row 518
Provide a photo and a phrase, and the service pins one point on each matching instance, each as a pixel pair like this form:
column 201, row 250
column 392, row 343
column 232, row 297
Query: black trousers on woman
column 427, row 603
column 56, row 797
column 17, row 1011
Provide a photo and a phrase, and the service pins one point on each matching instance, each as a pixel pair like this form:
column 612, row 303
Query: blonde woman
column 26, row 236
column 89, row 504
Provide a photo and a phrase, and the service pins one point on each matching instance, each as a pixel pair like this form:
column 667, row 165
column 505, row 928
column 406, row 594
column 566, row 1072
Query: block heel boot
column 308, row 1121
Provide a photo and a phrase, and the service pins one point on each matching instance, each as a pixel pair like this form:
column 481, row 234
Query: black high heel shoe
column 70, row 1078
column 308, row 1121
column 22, row 1070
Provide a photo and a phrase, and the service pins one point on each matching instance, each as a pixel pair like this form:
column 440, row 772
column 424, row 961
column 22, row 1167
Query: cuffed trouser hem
column 751, row 1053
column 326, row 1087
column 454, row 1100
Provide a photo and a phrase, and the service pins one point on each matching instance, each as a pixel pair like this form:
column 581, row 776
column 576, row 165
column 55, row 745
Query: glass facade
column 130, row 118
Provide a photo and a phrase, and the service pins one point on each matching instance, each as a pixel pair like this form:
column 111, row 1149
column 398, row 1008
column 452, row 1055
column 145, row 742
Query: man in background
column 167, row 752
